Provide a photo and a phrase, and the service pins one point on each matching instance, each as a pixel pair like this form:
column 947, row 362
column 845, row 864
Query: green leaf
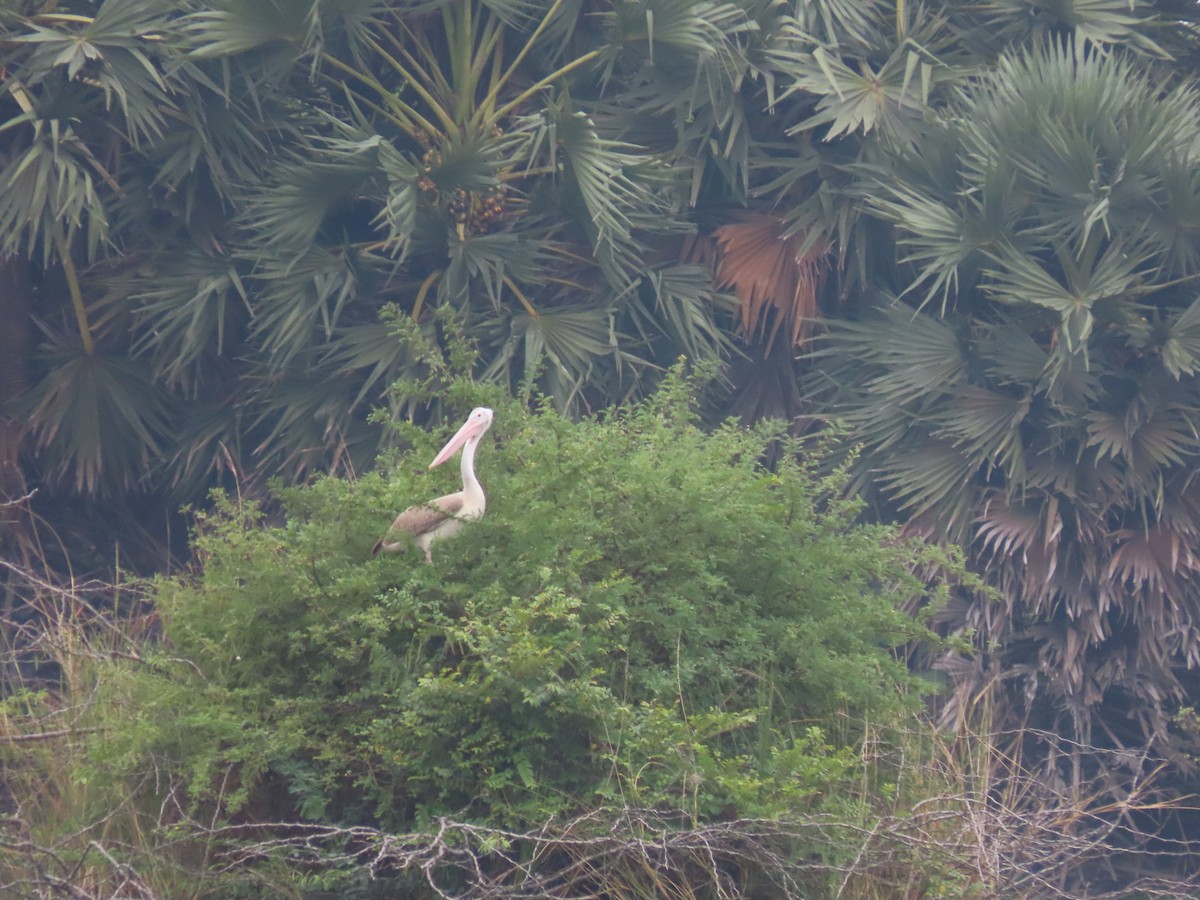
column 1180, row 351
column 99, row 422
column 910, row 354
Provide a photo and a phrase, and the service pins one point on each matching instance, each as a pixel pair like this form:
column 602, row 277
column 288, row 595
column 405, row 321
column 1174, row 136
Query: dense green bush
column 646, row 617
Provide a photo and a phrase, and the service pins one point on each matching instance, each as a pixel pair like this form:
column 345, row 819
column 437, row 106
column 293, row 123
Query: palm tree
column 553, row 183
column 1028, row 388
column 462, row 163
column 86, row 93
column 218, row 203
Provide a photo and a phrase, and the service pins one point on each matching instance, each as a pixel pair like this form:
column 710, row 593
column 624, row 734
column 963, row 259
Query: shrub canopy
column 645, row 616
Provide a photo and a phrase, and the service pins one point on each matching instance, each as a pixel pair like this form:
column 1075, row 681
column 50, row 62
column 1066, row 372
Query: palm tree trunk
column 16, row 337
column 15, row 345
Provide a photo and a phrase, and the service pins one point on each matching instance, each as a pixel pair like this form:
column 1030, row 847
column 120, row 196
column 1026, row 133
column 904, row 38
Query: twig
column 5, row 504
column 46, row 735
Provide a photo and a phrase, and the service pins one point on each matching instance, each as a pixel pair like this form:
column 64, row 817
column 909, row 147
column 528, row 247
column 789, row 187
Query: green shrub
column 646, row 617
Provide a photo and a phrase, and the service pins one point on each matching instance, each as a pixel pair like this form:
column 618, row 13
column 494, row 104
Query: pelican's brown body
column 444, row 517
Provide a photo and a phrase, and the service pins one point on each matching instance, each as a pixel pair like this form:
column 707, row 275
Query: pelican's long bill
column 475, row 426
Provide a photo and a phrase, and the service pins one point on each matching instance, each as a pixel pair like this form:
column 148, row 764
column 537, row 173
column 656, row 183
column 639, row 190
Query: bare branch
column 5, row 504
column 45, row 735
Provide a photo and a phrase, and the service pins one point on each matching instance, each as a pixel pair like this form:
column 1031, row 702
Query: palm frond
column 1180, row 351
column 1151, row 559
column 562, row 348
column 53, row 182
column 117, row 51
column 491, row 261
column 1013, row 357
column 773, row 273
column 1008, row 529
column 693, row 49
column 886, row 96
column 399, row 211
column 1102, row 23
column 901, row 355
column 306, row 421
column 299, row 301
column 290, row 207
column 99, row 421
column 372, row 351
column 229, row 28
column 684, row 304
column 1079, row 281
column 986, row 426
column 1143, row 436
column 620, row 190
column 207, row 436
column 186, row 313
column 932, row 480
column 841, row 24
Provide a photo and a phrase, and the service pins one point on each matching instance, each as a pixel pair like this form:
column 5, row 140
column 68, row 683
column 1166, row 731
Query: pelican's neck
column 470, row 482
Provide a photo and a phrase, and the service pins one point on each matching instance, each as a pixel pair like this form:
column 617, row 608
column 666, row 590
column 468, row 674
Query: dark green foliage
column 228, row 193
column 644, row 617
column 1032, row 395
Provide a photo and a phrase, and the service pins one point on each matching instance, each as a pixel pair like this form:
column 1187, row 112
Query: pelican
column 445, row 516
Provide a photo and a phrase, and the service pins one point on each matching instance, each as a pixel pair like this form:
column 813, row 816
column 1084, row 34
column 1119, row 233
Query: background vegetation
column 965, row 230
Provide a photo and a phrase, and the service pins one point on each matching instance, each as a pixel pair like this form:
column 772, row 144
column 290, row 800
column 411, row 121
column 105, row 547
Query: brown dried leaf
column 772, row 274
column 1151, row 558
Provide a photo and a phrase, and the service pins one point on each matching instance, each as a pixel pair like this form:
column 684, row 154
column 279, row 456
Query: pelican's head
column 478, row 422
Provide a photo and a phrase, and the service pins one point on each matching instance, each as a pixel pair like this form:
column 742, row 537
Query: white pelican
column 445, row 516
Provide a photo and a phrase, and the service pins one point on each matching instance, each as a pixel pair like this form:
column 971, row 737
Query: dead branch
column 45, row 735
column 5, row 504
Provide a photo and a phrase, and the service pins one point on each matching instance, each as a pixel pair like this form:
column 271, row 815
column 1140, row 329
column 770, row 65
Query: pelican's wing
column 417, row 520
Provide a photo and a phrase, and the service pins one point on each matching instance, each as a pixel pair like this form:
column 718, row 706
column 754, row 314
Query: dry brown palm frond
column 1152, row 558
column 775, row 276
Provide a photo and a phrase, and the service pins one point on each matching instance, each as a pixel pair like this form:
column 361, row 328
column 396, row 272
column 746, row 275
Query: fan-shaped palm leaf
column 301, row 195
column 1180, row 350
column 683, row 305
column 773, row 273
column 186, row 313
column 98, row 421
column 602, row 171
column 53, row 184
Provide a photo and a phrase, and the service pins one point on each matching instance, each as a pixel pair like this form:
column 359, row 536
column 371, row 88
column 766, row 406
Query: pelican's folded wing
column 417, row 520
